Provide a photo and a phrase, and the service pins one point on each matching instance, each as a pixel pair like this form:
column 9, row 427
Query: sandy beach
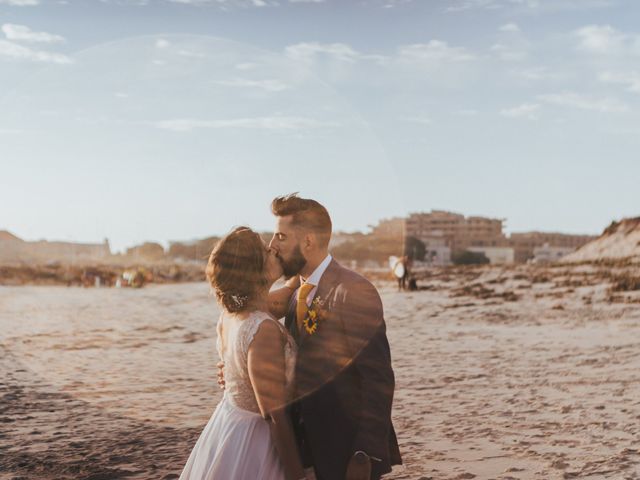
column 501, row 373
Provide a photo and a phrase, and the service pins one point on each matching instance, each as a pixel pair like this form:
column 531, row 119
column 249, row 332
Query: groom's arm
column 279, row 298
column 366, row 330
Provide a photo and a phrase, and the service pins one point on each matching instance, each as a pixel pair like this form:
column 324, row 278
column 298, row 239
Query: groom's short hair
column 306, row 214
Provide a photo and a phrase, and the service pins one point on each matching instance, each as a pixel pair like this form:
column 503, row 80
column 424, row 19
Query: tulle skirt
column 235, row 445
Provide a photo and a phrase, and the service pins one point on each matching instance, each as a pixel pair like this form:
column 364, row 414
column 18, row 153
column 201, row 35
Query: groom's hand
column 359, row 467
column 221, row 382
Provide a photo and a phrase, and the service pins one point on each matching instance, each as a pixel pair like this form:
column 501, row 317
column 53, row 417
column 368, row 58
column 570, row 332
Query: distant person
column 408, row 263
column 401, row 272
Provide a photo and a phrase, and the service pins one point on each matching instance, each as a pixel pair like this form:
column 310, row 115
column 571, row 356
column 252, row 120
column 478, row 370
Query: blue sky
column 164, row 120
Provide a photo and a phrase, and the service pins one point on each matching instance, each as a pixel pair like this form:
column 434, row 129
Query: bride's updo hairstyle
column 236, row 269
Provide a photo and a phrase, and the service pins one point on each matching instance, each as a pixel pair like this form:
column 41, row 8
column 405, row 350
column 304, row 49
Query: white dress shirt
column 314, row 278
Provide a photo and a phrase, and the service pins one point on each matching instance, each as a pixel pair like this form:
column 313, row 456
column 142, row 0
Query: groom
column 344, row 380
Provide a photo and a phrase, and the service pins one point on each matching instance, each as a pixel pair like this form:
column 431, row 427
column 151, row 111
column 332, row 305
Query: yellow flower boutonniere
column 314, row 316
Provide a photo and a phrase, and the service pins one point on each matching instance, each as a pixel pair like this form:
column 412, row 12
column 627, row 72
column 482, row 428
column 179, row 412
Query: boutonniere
column 315, row 314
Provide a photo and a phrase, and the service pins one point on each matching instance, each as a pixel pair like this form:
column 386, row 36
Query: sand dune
column 619, row 240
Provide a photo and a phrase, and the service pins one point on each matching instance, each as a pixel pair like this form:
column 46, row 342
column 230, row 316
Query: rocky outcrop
column 15, row 251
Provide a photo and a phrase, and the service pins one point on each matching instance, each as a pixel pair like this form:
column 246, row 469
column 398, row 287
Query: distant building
column 69, row 250
column 433, row 241
column 459, row 232
column 389, row 227
column 436, row 250
column 549, row 254
column 524, row 243
column 496, row 255
column 197, row 250
column 15, row 250
column 339, row 238
column 146, row 251
column 439, row 256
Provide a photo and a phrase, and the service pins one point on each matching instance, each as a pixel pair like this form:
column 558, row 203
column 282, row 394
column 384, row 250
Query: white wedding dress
column 236, row 443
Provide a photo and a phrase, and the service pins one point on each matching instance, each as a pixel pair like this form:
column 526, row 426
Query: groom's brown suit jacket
column 344, row 381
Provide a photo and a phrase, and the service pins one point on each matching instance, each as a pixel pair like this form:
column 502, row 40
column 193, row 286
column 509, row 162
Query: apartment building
column 389, row 228
column 459, row 232
column 524, row 243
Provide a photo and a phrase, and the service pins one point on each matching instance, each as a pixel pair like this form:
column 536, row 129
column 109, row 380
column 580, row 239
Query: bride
column 249, row 435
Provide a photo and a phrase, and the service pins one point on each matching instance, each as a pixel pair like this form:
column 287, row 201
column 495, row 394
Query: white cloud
column 127, row 3
column 468, row 112
column 20, row 3
column 246, row 66
column 583, row 102
column 162, row 43
column 433, row 51
column 261, row 123
column 308, row 51
column 630, row 80
column 508, row 54
column 422, row 120
column 461, row 6
column 572, row 5
column 20, row 52
column 306, row 1
column 526, row 110
column 22, row 33
column 191, row 54
column 533, row 6
column 536, row 74
column 510, row 28
column 226, row 3
column 10, row 131
column 602, row 39
column 269, row 85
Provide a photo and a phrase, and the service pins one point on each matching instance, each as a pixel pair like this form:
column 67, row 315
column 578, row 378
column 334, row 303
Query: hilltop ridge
column 619, row 240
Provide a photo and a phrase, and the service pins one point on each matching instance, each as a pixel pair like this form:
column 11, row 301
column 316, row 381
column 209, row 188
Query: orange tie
column 301, row 307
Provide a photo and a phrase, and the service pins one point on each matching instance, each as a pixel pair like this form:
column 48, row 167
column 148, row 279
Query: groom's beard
column 294, row 265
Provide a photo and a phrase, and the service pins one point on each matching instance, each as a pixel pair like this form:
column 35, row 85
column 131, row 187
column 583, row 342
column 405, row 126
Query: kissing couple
column 310, row 399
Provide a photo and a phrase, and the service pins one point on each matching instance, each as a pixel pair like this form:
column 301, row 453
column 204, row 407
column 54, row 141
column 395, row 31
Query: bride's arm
column 266, row 367
column 279, row 299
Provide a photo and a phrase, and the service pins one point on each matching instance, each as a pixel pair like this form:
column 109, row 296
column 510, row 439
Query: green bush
column 415, row 249
column 469, row 258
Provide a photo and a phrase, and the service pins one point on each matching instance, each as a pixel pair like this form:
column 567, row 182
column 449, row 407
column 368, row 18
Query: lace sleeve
column 250, row 328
